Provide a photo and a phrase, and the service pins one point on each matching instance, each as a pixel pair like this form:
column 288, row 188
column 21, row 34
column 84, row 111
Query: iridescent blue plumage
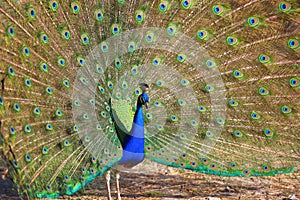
column 133, row 142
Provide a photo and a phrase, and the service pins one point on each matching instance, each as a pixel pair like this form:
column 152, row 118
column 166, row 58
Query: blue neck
column 139, row 117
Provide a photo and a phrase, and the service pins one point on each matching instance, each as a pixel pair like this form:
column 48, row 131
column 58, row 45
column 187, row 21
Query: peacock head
column 144, row 87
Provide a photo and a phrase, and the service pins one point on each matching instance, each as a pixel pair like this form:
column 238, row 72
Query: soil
column 161, row 182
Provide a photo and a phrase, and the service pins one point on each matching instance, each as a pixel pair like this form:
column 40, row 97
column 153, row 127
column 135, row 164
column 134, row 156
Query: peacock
column 90, row 87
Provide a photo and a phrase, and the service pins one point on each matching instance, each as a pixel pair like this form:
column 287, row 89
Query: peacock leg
column 118, row 185
column 107, row 177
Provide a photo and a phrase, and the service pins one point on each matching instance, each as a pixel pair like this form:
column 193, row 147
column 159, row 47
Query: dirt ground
column 161, row 182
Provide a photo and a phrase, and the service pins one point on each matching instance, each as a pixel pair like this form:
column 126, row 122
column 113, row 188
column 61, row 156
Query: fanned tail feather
column 224, row 87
